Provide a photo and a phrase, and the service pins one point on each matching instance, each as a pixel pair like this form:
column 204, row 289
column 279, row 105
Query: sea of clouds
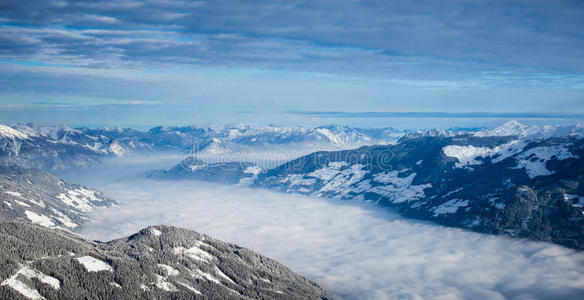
column 354, row 249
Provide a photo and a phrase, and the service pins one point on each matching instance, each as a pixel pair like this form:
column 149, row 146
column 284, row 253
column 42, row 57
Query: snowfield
column 26, row 290
column 93, row 264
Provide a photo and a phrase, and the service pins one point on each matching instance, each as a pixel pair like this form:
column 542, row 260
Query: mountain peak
column 508, row 128
column 10, row 132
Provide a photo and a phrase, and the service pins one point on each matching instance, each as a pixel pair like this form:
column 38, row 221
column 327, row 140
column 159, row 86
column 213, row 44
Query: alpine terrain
column 515, row 180
column 159, row 262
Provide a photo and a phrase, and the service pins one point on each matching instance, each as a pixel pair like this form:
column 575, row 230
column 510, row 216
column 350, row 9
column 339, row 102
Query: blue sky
column 140, row 64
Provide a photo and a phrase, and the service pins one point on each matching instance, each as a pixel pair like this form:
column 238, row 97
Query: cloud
column 448, row 115
column 520, row 36
column 354, row 249
column 351, row 55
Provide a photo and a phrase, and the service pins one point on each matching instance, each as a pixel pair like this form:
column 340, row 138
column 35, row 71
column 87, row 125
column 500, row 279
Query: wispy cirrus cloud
column 442, row 115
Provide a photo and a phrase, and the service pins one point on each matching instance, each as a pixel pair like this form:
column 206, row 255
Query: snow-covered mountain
column 33, row 195
column 159, row 262
column 54, row 148
column 516, row 180
column 192, row 168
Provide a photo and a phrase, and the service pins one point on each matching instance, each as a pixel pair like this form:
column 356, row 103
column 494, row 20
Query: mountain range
column 57, row 148
column 515, row 180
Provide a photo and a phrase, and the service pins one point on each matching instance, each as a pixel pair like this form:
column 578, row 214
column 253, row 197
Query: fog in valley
column 354, row 249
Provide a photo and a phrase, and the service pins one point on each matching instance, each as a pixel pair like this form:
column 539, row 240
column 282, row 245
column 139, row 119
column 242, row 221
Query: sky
column 165, row 62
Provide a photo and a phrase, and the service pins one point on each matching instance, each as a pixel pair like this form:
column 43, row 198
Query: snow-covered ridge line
column 515, row 128
column 37, row 197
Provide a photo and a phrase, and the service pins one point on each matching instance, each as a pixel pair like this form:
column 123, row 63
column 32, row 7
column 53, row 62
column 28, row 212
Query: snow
column 329, row 172
column 341, row 183
column 155, row 231
column 265, row 280
column 509, row 128
column 194, row 252
column 254, row 170
column 24, row 289
column 39, row 219
column 115, row 284
column 362, row 186
column 298, row 180
column 117, row 149
column 80, row 198
column 163, row 284
column 170, row 271
column 19, row 195
column 31, row 273
column 12, row 133
column 449, row 207
column 15, row 194
column 40, row 203
column 571, row 199
column 92, row 264
column 90, row 194
column 215, row 147
column 498, row 205
column 205, row 276
column 64, row 219
column 337, row 139
column 535, row 159
column 398, row 189
column 514, row 128
column 21, row 203
column 468, row 155
column 452, row 192
column 222, row 275
column 192, row 289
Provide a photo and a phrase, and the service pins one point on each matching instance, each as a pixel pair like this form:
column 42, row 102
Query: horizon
column 541, row 122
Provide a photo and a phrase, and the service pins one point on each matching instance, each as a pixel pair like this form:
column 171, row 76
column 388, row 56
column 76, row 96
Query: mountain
column 192, row 168
column 517, row 180
column 55, row 148
column 159, row 262
column 36, row 196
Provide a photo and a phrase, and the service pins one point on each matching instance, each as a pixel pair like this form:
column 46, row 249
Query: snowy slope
column 516, row 180
column 32, row 195
column 41, row 263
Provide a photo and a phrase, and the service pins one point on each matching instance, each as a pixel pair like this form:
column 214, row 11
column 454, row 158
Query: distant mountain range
column 517, row 180
column 55, row 148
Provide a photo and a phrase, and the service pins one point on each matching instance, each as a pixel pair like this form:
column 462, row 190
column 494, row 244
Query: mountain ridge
column 161, row 262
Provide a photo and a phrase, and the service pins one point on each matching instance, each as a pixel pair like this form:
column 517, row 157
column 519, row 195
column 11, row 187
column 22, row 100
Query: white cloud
column 355, row 250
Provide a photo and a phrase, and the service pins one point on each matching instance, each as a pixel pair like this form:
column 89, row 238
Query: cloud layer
column 355, row 250
column 522, row 33
column 207, row 60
